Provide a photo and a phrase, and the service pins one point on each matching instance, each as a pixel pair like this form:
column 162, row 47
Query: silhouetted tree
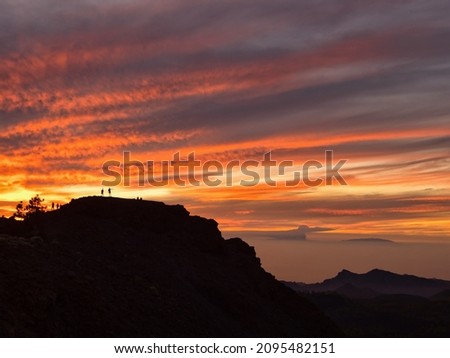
column 20, row 211
column 35, row 206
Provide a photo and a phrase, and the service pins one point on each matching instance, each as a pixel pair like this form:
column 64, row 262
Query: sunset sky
column 83, row 81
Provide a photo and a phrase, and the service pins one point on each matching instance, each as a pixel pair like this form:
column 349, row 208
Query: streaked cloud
column 82, row 81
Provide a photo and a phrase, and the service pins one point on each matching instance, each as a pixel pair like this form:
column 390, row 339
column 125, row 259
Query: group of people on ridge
column 109, row 191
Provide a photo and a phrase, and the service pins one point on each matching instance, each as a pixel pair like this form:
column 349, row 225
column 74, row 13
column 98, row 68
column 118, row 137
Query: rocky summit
column 109, row 267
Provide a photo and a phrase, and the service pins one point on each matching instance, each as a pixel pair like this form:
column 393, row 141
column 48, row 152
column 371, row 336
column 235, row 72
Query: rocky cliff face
column 107, row 267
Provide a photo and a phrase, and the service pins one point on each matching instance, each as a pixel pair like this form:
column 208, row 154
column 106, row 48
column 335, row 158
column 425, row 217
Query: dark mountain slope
column 442, row 296
column 382, row 304
column 386, row 316
column 106, row 267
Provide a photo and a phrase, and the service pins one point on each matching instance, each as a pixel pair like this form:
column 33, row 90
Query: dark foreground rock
column 106, row 267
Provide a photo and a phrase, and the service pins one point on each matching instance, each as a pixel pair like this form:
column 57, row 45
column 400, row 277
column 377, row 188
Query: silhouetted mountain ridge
column 108, row 267
column 376, row 282
column 382, row 304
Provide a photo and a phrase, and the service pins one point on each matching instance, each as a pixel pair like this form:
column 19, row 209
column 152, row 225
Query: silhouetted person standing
column 53, row 206
column 109, row 191
column 102, row 192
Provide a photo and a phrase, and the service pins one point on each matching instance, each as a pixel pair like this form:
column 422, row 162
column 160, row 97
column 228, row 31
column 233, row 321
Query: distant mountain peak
column 345, row 273
column 381, row 281
column 373, row 240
